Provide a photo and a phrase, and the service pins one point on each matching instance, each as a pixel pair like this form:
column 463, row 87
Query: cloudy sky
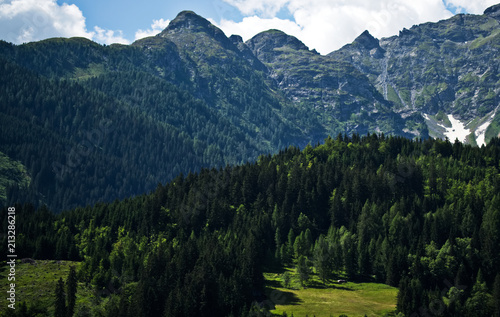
column 325, row 25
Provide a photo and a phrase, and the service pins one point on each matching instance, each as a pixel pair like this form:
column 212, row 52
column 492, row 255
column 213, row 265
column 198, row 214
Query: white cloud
column 322, row 24
column 327, row 25
column 156, row 27
column 254, row 24
column 108, row 36
column 475, row 7
column 24, row 21
column 265, row 8
column 31, row 20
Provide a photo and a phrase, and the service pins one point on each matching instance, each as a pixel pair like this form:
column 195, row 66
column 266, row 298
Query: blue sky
column 325, row 25
column 129, row 15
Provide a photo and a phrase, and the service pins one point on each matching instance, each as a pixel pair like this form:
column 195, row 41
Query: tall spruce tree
column 303, row 269
column 71, row 284
column 496, row 295
column 60, row 302
column 322, row 259
column 479, row 303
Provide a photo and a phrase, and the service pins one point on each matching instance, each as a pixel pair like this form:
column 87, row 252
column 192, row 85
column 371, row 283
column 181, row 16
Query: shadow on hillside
column 274, row 283
column 279, row 297
column 276, row 269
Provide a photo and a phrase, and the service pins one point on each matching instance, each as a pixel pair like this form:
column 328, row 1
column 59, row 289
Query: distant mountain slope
column 228, row 78
column 340, row 96
column 449, row 67
column 192, row 97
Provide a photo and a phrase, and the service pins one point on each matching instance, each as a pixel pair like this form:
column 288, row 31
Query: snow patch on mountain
column 481, row 130
column 457, row 130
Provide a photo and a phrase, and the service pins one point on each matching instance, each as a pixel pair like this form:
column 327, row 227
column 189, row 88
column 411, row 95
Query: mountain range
column 83, row 122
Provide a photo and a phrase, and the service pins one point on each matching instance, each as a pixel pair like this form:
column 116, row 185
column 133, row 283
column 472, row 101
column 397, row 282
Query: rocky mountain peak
column 367, row 40
column 493, row 11
column 236, row 39
column 364, row 44
column 190, row 22
column 267, row 44
column 187, row 20
column 271, row 39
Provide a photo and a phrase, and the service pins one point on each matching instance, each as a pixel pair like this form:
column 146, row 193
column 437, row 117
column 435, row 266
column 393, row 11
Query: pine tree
column 71, row 285
column 286, row 278
column 291, row 240
column 349, row 254
column 60, row 303
column 322, row 259
column 285, row 257
column 490, row 237
column 308, row 242
column 303, row 269
column 479, row 303
column 404, row 295
column 496, row 295
column 299, row 246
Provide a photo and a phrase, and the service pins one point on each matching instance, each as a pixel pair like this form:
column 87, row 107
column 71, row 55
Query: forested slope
column 423, row 215
column 96, row 123
column 80, row 146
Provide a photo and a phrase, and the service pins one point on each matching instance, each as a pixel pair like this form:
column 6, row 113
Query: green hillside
column 13, row 177
column 421, row 216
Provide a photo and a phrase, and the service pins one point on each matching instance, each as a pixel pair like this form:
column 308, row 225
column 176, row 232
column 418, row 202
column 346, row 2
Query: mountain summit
column 189, row 22
column 493, row 11
column 367, row 40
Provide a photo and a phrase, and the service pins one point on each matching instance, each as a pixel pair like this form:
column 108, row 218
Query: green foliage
column 71, row 288
column 120, row 107
column 411, row 213
column 13, row 177
column 303, row 269
column 479, row 304
column 323, row 262
column 496, row 296
column 286, row 279
column 24, row 309
column 36, row 284
column 60, row 300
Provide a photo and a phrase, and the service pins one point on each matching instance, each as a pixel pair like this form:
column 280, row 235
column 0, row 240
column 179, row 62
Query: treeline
column 423, row 215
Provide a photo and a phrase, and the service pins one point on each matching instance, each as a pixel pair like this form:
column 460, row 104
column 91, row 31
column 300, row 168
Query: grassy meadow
column 320, row 299
column 36, row 283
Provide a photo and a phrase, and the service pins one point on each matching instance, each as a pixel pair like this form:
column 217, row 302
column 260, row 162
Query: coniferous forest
column 190, row 173
column 74, row 139
column 422, row 215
